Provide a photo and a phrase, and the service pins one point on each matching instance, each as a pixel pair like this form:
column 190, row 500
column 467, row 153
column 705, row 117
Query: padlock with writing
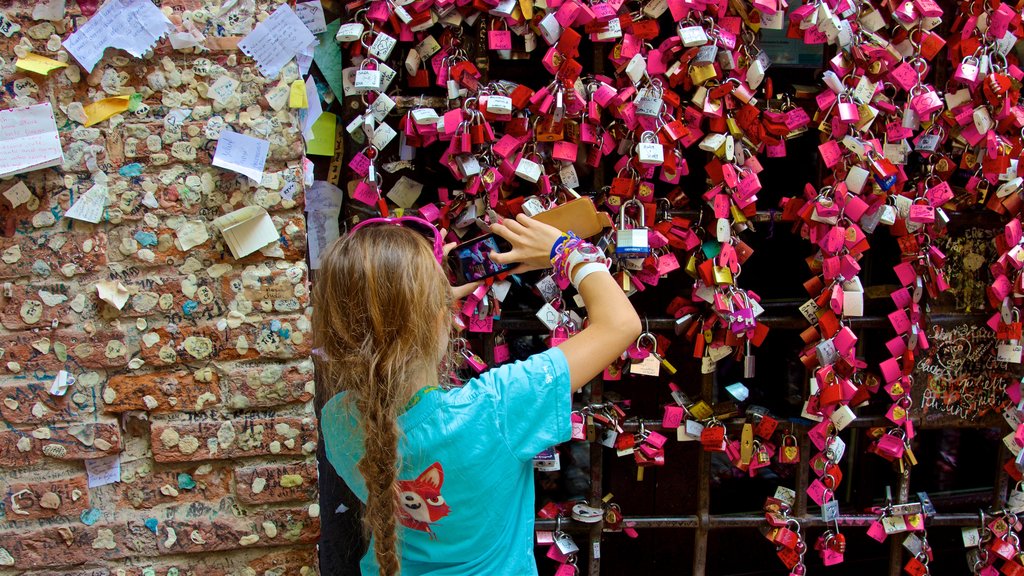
column 368, row 76
column 789, row 452
column 649, row 150
column 632, row 242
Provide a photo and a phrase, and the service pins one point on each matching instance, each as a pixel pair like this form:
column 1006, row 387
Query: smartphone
column 470, row 262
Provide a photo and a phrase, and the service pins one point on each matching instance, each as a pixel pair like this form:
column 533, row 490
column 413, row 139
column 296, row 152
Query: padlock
column 890, row 446
column 528, row 170
column 967, row 71
column 631, row 242
column 367, row 78
column 649, row 150
column 848, row 112
column 789, row 452
column 922, row 212
column 349, row 32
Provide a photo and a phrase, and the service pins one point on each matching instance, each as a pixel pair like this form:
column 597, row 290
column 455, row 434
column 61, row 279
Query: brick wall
column 202, row 383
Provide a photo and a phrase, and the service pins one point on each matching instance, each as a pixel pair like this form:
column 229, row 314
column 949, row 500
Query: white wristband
column 586, row 270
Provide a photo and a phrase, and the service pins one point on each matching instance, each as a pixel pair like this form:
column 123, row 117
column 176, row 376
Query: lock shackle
column 647, row 337
column 627, row 204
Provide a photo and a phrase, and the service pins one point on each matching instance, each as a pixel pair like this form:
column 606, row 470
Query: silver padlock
column 367, row 78
column 649, row 150
column 631, row 242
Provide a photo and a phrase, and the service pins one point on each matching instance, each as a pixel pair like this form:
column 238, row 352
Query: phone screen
column 471, row 262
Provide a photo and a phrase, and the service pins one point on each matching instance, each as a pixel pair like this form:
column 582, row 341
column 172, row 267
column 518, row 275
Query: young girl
column 453, row 467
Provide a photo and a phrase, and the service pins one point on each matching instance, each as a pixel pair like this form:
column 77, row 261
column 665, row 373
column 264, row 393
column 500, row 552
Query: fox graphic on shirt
column 420, row 501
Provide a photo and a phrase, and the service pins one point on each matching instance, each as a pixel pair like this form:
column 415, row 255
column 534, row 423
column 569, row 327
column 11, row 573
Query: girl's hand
column 459, row 292
column 531, row 243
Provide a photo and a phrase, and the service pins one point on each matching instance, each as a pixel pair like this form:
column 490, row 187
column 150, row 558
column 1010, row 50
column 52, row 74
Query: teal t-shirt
column 466, row 494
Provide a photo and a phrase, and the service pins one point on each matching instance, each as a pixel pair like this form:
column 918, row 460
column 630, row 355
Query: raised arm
column 613, row 323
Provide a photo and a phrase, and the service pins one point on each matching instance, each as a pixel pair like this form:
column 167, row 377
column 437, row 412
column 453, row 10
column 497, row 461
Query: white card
column 247, row 230
column 134, row 26
column 276, row 40
column 103, row 471
column 243, row 154
column 28, row 139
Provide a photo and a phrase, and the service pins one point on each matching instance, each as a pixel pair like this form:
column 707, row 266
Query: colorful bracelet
column 558, row 242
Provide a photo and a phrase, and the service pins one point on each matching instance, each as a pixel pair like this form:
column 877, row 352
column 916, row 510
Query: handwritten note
column 28, row 139
column 103, row 471
column 17, row 194
column 134, row 26
column 276, row 40
column 89, row 207
column 243, row 154
column 312, row 15
column 247, row 230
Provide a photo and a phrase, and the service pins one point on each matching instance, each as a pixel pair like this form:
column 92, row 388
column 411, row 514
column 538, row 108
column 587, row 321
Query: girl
column 452, row 467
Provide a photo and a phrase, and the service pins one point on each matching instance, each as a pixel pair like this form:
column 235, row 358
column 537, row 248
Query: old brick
column 75, row 544
column 298, row 561
column 268, row 289
column 262, row 484
column 169, row 391
column 62, row 443
column 23, row 499
column 262, row 384
column 39, row 305
column 281, row 338
column 28, row 401
column 294, row 526
column 100, row 350
column 143, row 491
column 237, row 438
column 54, row 256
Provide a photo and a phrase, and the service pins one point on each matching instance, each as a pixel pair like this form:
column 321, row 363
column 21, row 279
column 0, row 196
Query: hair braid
column 379, row 467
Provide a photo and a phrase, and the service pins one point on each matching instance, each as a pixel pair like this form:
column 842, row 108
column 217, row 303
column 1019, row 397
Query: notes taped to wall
column 276, row 40
column 28, row 139
column 134, row 26
column 247, row 230
column 243, row 154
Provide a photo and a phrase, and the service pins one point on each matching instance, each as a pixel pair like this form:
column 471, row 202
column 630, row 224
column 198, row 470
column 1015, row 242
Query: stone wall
column 202, row 383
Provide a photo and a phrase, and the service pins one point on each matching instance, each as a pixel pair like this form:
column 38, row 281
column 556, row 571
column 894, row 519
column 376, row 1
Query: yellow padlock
column 702, row 73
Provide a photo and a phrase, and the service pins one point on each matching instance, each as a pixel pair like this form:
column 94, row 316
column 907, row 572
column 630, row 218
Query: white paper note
column 243, row 154
column 321, row 230
column 61, row 383
column 247, row 230
column 276, row 40
column 312, row 15
column 103, row 471
column 89, row 207
column 134, row 26
column 18, row 194
column 313, row 111
column 405, row 192
column 28, row 139
column 112, row 292
column 323, row 196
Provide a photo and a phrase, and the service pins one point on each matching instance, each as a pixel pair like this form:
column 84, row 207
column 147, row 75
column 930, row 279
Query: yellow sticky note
column 322, row 143
column 38, row 64
column 297, row 97
column 102, row 109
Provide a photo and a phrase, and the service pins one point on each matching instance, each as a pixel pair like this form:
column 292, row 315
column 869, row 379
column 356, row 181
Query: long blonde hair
column 377, row 303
